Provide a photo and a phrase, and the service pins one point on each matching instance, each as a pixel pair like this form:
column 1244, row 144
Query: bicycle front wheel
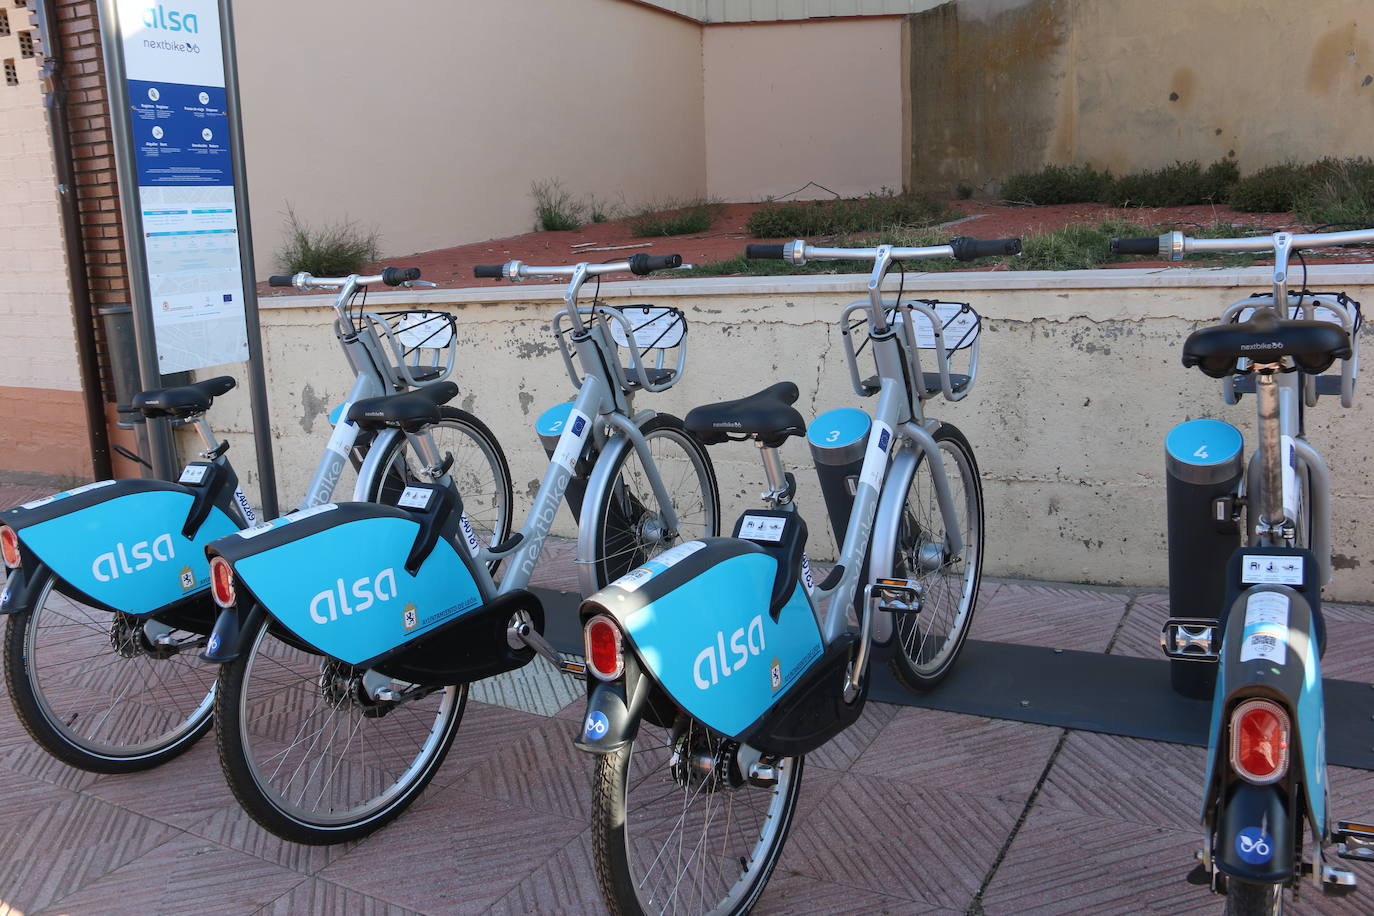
column 313, row 753
column 628, row 524
column 928, row 642
column 1246, row 899
column 479, row 472
column 103, row 691
column 677, row 828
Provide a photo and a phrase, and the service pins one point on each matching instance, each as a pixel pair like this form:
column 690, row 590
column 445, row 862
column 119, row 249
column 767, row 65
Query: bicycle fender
column 613, row 710
column 696, row 617
column 1254, row 837
column 121, row 544
column 21, row 588
column 224, row 644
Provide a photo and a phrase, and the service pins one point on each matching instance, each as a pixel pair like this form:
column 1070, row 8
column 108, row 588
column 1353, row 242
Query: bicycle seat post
column 780, row 488
column 207, row 435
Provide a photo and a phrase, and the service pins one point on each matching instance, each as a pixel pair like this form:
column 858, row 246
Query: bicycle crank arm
column 523, row 634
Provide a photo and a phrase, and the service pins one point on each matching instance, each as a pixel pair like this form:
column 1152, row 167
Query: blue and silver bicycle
column 719, row 664
column 107, row 598
column 1265, row 787
column 350, row 631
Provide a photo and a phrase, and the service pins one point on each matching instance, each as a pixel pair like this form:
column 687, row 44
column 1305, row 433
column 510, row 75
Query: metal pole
column 161, row 452
column 257, row 373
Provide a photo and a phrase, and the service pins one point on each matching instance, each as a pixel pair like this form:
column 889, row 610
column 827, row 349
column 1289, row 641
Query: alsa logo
column 712, row 663
column 159, row 17
column 331, row 602
column 111, row 565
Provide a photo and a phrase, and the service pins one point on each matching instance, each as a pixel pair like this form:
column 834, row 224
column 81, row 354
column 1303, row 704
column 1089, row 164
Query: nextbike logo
column 1255, row 846
column 159, row 17
column 713, row 661
column 111, row 565
column 328, row 604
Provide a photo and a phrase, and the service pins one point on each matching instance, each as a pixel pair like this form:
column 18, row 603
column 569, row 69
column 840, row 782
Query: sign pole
column 162, row 455
column 257, row 373
column 178, row 136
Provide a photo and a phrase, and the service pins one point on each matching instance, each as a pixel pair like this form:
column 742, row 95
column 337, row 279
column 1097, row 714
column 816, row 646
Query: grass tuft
column 332, row 250
column 555, row 209
column 824, row 218
column 673, row 218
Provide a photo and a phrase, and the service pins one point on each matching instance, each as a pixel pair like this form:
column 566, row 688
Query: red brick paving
column 910, row 811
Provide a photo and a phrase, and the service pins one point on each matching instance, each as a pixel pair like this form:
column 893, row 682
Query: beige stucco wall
column 792, row 103
column 431, row 121
column 1001, row 86
column 1079, row 383
column 37, row 348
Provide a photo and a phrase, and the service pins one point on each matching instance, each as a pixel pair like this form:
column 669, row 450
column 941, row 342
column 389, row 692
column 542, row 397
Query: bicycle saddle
column 768, row 415
column 408, row 410
column 1313, row 345
column 183, row 400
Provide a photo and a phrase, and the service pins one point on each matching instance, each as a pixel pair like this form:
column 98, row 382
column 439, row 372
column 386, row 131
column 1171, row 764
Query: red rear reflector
column 601, row 638
column 222, row 582
column 9, row 546
column 1259, row 741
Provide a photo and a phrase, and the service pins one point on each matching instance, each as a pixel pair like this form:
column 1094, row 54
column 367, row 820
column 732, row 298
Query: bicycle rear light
column 604, row 647
column 1260, row 737
column 222, row 582
column 9, row 546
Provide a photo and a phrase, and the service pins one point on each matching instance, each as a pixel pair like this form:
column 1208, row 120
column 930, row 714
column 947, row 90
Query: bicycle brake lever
column 409, row 284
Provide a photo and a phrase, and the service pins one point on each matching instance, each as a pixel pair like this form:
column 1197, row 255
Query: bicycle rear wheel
column 677, row 828
column 928, row 642
column 309, row 750
column 104, row 691
column 479, row 472
column 628, row 525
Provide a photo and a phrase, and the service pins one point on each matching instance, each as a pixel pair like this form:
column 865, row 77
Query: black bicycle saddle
column 408, row 410
column 769, row 414
column 1265, row 338
column 183, row 400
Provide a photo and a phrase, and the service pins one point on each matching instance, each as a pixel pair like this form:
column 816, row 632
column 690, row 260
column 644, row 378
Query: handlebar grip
column 487, row 271
column 395, row 276
column 764, row 252
column 968, row 249
column 278, row 281
column 1135, row 246
column 642, row 264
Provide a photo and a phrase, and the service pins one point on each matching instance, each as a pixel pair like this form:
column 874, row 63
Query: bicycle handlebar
column 391, row 276
column 1174, row 245
column 962, row 248
column 639, row 264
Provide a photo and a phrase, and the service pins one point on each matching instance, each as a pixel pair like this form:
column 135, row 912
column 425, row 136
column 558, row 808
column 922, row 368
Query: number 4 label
column 1201, row 452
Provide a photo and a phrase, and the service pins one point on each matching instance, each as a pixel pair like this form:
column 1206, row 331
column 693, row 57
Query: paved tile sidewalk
column 910, row 811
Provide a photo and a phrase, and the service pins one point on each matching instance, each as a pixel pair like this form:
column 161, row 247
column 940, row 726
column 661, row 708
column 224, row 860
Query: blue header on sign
column 180, row 134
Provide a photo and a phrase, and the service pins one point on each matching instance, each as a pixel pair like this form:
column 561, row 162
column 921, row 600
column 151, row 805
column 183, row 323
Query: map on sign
column 179, row 128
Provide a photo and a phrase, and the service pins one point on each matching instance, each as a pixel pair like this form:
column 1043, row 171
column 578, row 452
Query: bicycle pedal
column 1337, row 881
column 574, row 669
column 896, row 596
column 1191, row 639
column 1356, row 841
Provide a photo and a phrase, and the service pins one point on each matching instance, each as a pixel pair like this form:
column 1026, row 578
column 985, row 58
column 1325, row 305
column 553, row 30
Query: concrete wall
column 431, row 121
column 43, row 428
column 1001, row 86
column 1079, row 383
column 792, row 103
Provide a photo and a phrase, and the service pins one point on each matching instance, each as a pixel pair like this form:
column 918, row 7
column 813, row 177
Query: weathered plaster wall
column 1079, row 383
column 1000, row 86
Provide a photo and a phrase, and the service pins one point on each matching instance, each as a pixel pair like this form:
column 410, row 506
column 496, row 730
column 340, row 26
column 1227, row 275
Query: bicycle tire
column 250, row 726
column 919, row 662
column 479, row 473
column 1246, row 899
column 115, row 703
column 623, row 841
column 626, row 527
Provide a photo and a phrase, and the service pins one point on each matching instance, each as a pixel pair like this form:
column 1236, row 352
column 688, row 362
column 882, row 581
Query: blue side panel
column 713, row 646
column 129, row 552
column 840, row 427
column 345, row 590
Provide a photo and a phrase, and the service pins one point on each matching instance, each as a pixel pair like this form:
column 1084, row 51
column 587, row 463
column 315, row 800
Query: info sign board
column 179, row 133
